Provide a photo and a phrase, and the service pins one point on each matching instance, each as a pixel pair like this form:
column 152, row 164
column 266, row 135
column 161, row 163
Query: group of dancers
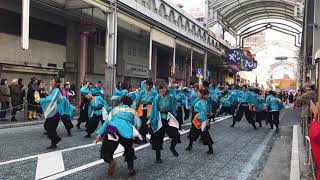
column 155, row 109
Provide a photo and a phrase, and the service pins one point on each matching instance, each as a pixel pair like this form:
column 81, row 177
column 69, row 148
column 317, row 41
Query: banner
column 239, row 62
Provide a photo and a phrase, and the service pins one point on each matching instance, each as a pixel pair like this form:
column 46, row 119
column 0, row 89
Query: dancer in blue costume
column 226, row 104
column 187, row 103
column 259, row 107
column 120, row 128
column 200, row 123
column 119, row 92
column 95, row 109
column 245, row 98
column 51, row 105
column 194, row 97
column 83, row 118
column 142, row 105
column 66, row 112
column 181, row 102
column 163, row 104
column 274, row 106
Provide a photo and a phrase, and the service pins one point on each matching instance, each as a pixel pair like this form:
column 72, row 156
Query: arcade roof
column 236, row 14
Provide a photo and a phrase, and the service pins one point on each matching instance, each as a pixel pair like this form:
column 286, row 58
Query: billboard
column 239, row 61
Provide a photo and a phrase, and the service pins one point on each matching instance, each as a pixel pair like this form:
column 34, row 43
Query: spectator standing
column 314, row 135
column 32, row 104
column 15, row 93
column 4, row 98
column 42, row 94
column 23, row 93
column 70, row 92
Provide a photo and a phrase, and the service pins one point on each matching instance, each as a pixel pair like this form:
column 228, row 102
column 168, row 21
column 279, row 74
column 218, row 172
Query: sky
column 196, row 7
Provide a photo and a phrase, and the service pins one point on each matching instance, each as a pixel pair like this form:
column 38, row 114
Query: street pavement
column 239, row 153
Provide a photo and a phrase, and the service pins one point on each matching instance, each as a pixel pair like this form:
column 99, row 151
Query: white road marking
column 116, row 155
column 43, row 154
column 48, row 164
column 82, row 146
column 251, row 164
column 294, row 168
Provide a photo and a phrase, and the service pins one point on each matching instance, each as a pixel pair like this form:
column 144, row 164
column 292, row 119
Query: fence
column 22, row 111
column 305, row 124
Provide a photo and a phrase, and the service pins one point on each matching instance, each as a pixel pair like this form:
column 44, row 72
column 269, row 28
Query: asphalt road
column 239, row 153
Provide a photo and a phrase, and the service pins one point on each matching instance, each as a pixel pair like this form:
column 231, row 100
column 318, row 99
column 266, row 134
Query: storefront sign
column 135, row 70
column 239, row 62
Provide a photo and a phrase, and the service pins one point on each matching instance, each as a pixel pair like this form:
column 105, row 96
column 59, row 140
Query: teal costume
column 161, row 106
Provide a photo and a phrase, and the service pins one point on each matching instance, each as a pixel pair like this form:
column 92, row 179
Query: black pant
column 205, row 135
column 244, row 109
column 67, row 122
column 179, row 116
column 4, row 109
column 186, row 113
column 14, row 109
column 109, row 147
column 93, row 123
column 83, row 115
column 224, row 110
column 260, row 116
column 144, row 128
column 50, row 126
column 274, row 118
column 157, row 137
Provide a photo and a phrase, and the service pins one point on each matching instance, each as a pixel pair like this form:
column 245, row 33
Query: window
column 132, row 49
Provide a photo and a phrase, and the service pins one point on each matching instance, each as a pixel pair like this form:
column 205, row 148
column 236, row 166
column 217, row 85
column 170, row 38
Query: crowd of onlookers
column 15, row 97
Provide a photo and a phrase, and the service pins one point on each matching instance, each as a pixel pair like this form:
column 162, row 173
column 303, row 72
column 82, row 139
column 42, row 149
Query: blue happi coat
column 51, row 104
column 201, row 108
column 180, row 98
column 122, row 118
column 96, row 105
column 226, row 101
column 259, row 103
column 118, row 93
column 233, row 96
column 163, row 105
column 194, row 97
column 143, row 96
column 65, row 108
column 273, row 103
column 245, row 97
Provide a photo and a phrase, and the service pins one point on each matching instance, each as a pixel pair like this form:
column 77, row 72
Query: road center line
column 95, row 163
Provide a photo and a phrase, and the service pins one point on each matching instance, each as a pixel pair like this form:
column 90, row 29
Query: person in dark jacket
column 15, row 93
column 4, row 98
column 32, row 104
column 23, row 93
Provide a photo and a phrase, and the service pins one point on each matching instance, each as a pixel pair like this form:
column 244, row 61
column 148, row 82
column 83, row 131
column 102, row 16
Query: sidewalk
column 288, row 159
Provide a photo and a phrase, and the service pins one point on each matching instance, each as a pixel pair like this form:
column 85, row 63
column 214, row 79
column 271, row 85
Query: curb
column 21, row 124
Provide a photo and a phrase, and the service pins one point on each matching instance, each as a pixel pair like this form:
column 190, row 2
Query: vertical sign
column 25, row 24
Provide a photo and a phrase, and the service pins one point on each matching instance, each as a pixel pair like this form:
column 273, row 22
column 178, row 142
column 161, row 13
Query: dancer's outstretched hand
column 97, row 140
